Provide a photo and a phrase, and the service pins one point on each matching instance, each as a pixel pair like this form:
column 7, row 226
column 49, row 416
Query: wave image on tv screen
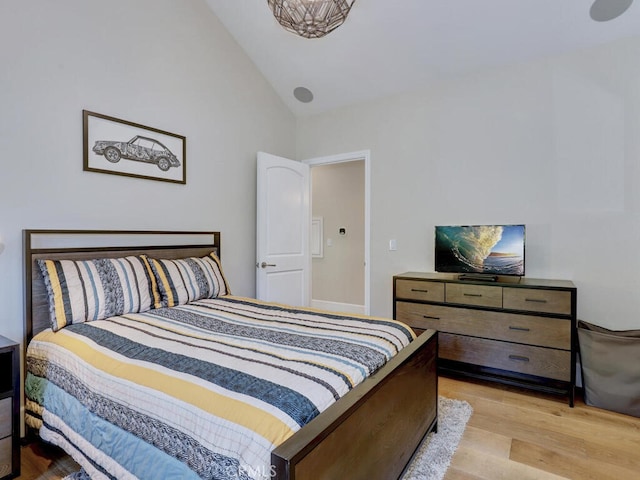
column 490, row 249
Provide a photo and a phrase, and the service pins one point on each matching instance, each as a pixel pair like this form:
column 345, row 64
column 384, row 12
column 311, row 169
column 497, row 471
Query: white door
column 283, row 260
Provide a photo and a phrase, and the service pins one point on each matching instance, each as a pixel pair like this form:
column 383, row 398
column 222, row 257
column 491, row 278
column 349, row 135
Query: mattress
column 202, row 390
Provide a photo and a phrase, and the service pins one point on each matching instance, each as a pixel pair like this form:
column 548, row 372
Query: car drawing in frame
column 148, row 152
column 139, row 148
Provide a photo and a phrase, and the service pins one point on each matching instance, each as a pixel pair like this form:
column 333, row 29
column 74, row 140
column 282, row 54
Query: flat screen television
column 480, row 249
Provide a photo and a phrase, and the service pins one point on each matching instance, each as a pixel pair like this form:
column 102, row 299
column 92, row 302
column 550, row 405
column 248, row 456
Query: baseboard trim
column 338, row 307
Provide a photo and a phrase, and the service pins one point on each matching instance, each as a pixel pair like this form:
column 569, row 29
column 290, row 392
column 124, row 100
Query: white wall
column 554, row 144
column 167, row 64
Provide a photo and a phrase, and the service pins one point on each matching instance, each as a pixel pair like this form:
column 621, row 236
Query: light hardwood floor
column 512, row 435
column 44, row 462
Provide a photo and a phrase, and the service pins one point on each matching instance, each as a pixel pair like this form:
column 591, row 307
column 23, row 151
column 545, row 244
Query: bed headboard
column 88, row 244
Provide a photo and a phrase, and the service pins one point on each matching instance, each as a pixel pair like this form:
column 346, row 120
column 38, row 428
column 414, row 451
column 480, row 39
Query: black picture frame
column 119, row 147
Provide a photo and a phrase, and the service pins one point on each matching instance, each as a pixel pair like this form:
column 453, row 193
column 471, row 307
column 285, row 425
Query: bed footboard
column 373, row 432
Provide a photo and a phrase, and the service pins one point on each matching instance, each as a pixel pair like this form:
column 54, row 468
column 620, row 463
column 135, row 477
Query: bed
column 348, row 397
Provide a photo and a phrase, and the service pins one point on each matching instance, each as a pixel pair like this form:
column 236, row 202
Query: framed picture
column 119, row 147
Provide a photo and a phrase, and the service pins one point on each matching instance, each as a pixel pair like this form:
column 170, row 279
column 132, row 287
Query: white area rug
column 434, row 455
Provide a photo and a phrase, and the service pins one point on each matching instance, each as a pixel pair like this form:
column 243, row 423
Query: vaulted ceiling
column 387, row 47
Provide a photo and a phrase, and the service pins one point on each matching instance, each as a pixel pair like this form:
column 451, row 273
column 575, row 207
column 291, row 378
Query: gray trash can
column 610, row 362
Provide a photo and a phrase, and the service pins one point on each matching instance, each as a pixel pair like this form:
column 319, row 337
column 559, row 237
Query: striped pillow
column 188, row 279
column 84, row 290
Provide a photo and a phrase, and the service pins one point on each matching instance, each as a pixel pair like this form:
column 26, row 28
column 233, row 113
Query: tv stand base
column 478, row 277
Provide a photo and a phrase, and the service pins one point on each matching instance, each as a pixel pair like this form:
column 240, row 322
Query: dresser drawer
column 536, row 300
column 5, row 417
column 420, row 290
column 417, row 315
column 480, row 295
column 5, row 456
column 511, row 327
column 530, row 360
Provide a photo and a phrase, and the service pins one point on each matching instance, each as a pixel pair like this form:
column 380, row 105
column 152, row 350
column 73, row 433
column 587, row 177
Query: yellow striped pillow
column 188, row 279
column 84, row 290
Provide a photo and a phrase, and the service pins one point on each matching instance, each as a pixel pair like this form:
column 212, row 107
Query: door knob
column 265, row 264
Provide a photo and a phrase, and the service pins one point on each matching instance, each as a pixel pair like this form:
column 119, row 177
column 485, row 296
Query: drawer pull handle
column 472, row 294
column 419, row 290
column 518, row 358
column 429, row 317
column 535, row 300
column 520, row 329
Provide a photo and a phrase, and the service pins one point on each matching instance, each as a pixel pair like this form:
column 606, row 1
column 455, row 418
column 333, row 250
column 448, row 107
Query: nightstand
column 9, row 409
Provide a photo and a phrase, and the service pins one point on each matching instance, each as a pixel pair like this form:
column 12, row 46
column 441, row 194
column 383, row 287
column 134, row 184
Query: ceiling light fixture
column 310, row 18
column 605, row 10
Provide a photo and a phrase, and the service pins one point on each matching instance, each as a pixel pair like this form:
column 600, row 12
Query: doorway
column 340, row 205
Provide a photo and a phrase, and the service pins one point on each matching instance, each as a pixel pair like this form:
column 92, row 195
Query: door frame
column 352, row 157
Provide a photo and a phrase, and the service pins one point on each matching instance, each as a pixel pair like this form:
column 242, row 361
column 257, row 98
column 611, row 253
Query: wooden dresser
column 519, row 331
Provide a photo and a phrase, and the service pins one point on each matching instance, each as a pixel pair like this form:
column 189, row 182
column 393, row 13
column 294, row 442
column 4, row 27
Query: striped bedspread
column 203, row 390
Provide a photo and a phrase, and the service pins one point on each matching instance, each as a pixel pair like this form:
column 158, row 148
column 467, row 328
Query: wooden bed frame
column 372, row 432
